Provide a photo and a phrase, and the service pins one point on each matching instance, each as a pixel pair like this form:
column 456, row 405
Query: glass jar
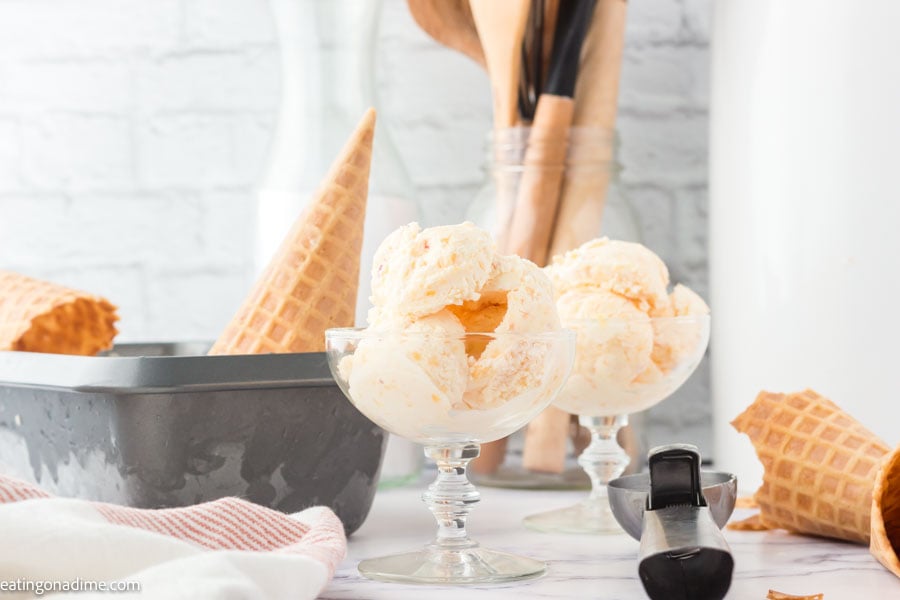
column 327, row 51
column 590, row 181
column 591, row 205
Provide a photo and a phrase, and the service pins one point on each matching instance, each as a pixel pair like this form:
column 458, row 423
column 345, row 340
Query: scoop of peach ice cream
column 452, row 282
column 417, row 272
column 513, row 368
column 674, row 333
column 529, row 295
column 615, row 337
column 624, row 268
column 685, row 301
column 405, row 377
column 517, row 299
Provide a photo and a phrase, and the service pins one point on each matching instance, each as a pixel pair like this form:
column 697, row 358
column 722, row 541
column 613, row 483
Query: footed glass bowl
column 621, row 367
column 450, row 393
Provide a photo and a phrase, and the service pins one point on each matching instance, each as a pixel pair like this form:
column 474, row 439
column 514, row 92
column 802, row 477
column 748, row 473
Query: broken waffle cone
column 310, row 284
column 39, row 316
column 820, row 465
column 885, row 542
column 775, row 595
column 751, row 523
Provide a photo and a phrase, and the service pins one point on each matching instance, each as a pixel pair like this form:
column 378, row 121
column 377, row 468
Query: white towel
column 229, row 549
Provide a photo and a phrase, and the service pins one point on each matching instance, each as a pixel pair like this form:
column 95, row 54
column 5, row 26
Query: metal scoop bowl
column 628, row 498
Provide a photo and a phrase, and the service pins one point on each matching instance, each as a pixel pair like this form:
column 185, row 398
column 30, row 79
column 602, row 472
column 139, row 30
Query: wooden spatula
column 449, row 22
column 501, row 28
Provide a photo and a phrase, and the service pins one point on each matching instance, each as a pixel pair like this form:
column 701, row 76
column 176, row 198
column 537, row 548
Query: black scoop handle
column 683, row 554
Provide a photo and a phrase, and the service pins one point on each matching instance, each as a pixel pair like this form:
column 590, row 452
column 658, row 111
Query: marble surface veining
column 599, row 567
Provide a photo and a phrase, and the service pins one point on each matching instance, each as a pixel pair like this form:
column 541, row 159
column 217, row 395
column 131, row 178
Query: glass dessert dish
column 450, row 393
column 621, row 367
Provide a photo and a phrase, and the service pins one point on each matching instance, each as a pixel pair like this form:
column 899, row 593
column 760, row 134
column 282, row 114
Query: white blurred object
column 327, row 82
column 804, row 210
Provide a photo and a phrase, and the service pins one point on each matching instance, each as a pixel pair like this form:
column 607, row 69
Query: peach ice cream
column 633, row 336
column 456, row 349
column 418, row 272
column 627, row 269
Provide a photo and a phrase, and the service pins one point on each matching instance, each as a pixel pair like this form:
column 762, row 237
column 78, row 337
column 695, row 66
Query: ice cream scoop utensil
column 683, row 553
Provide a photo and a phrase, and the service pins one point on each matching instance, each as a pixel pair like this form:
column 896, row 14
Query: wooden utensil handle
column 545, row 441
column 597, row 88
column 501, row 28
column 490, row 458
column 534, row 211
column 581, row 200
column 538, row 196
column 580, row 213
column 529, row 236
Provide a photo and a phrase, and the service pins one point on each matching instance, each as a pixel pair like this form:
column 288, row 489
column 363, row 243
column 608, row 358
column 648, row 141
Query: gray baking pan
column 144, row 428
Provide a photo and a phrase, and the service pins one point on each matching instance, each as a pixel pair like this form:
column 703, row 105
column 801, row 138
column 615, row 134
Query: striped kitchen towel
column 229, row 548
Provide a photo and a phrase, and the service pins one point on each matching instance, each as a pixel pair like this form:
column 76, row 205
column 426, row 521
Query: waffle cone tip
column 310, row 284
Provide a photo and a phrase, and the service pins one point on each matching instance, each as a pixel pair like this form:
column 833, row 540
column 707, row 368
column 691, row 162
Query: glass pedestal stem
column 604, row 459
column 452, row 557
column 451, row 496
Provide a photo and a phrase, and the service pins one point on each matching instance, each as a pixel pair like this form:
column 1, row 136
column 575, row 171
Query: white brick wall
column 132, row 133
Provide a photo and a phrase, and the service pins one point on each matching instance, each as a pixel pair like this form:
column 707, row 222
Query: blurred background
column 134, row 135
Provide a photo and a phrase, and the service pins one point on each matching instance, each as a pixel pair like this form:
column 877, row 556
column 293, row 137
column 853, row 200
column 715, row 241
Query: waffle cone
column 310, row 284
column 820, row 465
column 39, row 316
column 885, row 542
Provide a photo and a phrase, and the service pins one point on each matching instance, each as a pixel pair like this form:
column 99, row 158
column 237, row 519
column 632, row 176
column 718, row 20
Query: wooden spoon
column 501, row 28
column 538, row 196
column 597, row 90
column 450, row 23
column 596, row 98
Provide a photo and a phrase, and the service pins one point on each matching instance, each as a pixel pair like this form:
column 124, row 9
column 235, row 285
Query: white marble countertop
column 601, row 567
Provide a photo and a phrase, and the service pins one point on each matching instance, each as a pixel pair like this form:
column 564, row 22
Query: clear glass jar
column 590, row 181
column 591, row 205
column 327, row 50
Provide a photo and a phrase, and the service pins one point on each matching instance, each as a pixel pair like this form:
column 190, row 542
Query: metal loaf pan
column 161, row 425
